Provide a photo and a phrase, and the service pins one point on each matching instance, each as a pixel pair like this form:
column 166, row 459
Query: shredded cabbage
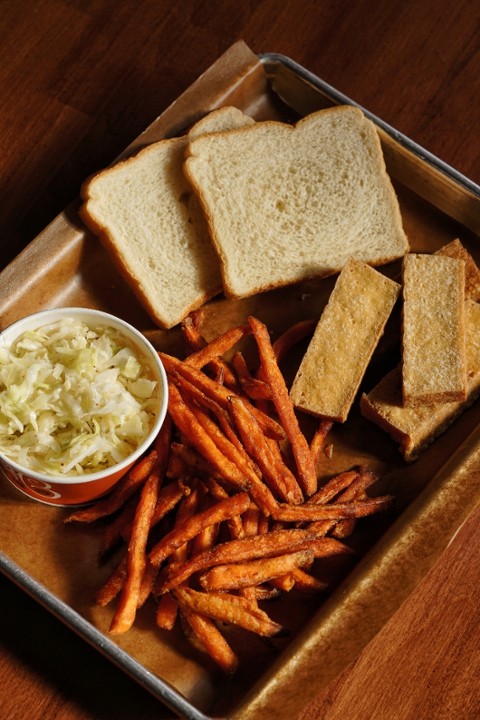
column 74, row 399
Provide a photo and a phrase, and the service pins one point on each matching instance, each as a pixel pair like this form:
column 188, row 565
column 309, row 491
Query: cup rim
column 142, row 341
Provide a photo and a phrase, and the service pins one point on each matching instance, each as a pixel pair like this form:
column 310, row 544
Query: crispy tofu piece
column 455, row 249
column 433, row 333
column 416, row 427
column 346, row 335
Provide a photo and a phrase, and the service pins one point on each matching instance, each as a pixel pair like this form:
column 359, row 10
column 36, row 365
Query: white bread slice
column 455, row 249
column 150, row 221
column 285, row 203
column 433, row 334
column 415, row 428
column 224, row 118
column 346, row 335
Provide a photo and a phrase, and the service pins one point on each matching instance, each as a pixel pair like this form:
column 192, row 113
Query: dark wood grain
column 425, row 662
column 79, row 80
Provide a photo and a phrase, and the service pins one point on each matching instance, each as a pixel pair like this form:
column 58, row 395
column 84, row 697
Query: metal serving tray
column 65, row 265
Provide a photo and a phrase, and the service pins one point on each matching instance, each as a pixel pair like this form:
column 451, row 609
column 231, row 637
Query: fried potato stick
column 254, row 522
column 190, row 391
column 185, row 531
column 189, row 506
column 126, row 610
column 231, row 452
column 310, row 512
column 120, row 494
column 284, row 583
column 113, row 584
column 195, row 342
column 276, row 542
column 117, row 529
column 250, row 521
column 136, row 560
column 167, row 607
column 184, row 459
column 223, row 510
column 206, row 538
column 356, row 489
column 301, row 580
column 188, row 424
column 218, row 392
column 217, row 347
column 230, row 609
column 229, row 446
column 121, row 528
column 277, row 475
column 211, row 639
column 305, row 582
column 334, row 486
column 243, row 575
column 241, row 455
column 187, row 509
column 167, row 611
column 260, row 592
column 317, row 443
column 253, row 387
column 344, row 528
column 307, row 476
column 168, row 498
column 235, row 524
column 192, row 335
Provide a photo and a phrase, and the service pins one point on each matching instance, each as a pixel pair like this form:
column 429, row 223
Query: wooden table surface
column 80, row 79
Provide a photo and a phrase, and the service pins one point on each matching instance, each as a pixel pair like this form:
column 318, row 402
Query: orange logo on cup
column 27, row 484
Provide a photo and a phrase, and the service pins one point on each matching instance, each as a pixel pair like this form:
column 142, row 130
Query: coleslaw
column 74, row 399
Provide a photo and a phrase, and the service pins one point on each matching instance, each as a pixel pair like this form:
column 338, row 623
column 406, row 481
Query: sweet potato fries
column 226, row 510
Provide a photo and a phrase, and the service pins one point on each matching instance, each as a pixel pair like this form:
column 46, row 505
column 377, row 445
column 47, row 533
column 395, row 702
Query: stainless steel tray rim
column 161, row 689
column 423, row 154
